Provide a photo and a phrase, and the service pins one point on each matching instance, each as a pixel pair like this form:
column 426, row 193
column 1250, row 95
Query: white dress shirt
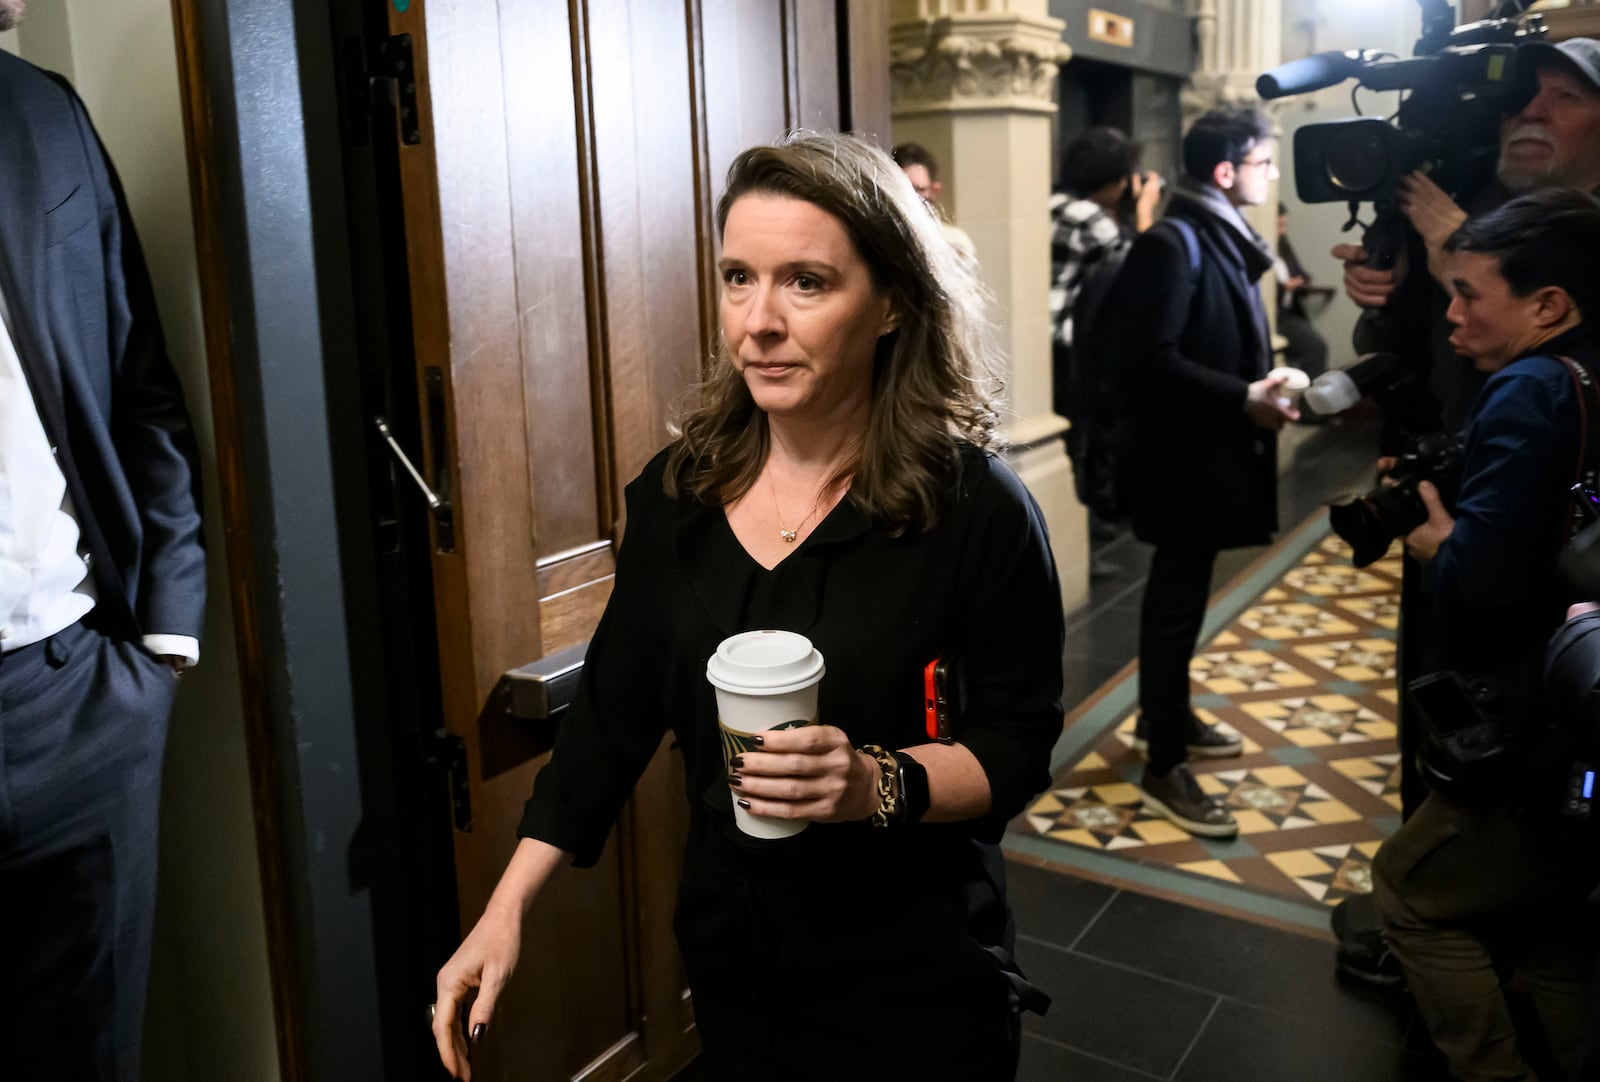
column 45, row 585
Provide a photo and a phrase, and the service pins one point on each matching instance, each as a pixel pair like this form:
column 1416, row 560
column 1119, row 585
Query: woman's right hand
column 485, row 961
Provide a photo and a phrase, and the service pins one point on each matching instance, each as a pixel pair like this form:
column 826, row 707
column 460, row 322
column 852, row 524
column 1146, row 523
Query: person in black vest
column 1199, row 457
column 1485, row 882
column 102, row 590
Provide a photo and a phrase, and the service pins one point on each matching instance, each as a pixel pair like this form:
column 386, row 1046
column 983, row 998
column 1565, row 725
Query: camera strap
column 1588, row 466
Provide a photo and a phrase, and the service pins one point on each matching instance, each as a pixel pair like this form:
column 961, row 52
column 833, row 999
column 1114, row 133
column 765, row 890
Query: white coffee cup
column 1293, row 386
column 764, row 680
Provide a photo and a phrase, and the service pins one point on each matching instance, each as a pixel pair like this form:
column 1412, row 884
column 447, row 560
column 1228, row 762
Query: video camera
column 1462, row 81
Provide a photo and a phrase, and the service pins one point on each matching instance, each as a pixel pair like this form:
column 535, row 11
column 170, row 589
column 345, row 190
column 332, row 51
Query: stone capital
column 962, row 63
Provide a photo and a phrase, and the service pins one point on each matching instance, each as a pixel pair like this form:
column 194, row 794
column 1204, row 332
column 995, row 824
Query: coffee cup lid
column 764, row 663
column 1294, row 379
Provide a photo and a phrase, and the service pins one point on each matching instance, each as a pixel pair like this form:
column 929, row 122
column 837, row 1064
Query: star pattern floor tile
column 1296, row 620
column 1235, row 671
column 1377, row 774
column 1321, row 720
column 1364, row 660
column 1330, row 580
column 1329, row 873
column 1304, row 673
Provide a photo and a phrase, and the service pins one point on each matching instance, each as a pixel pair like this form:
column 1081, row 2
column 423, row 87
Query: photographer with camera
column 1548, row 136
column 1090, row 233
column 1481, row 875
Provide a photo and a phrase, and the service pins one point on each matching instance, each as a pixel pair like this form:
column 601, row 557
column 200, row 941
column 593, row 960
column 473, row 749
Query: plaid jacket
column 1081, row 234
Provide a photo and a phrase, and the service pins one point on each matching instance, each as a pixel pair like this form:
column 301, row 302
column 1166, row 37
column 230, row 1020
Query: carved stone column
column 974, row 82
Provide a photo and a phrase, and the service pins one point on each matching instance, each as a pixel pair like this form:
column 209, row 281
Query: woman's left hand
column 810, row 772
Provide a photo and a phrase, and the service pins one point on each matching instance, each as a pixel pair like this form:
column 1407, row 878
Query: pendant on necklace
column 787, row 535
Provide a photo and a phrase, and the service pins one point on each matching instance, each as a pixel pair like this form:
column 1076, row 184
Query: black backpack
column 1098, row 381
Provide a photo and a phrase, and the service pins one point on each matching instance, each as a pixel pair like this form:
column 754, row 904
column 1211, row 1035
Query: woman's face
column 800, row 313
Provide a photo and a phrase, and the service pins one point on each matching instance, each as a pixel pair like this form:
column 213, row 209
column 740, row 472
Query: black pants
column 82, row 724
column 1485, row 910
column 1175, row 596
column 842, row 954
column 1092, row 442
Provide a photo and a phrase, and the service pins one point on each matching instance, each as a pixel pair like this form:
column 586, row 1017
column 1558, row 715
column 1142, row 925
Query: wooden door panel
column 644, row 149
column 554, row 276
column 740, row 110
column 814, row 65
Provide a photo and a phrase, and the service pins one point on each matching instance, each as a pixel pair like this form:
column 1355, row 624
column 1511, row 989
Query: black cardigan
column 980, row 587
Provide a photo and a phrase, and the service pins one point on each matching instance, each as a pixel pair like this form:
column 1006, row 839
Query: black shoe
column 1205, row 741
column 1362, row 953
column 1178, row 796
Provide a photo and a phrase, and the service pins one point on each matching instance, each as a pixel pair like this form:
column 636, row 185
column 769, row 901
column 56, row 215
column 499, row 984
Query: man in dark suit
column 1199, row 462
column 102, row 588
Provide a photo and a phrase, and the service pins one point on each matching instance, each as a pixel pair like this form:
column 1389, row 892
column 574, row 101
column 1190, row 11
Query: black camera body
column 1393, row 509
column 1466, row 751
column 1572, row 690
column 1462, row 81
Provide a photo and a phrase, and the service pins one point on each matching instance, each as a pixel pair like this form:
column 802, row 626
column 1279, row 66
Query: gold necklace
column 784, row 532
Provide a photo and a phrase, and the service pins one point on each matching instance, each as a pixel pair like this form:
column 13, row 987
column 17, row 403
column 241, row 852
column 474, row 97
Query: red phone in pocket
column 937, row 701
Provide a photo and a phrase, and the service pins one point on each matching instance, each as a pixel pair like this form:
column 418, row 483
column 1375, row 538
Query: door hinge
column 395, row 77
column 447, row 753
column 382, row 83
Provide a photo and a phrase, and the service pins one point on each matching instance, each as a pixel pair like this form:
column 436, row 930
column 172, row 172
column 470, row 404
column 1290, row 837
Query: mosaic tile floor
column 1305, row 674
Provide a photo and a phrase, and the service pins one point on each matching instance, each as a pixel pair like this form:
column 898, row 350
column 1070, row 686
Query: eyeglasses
column 1247, row 164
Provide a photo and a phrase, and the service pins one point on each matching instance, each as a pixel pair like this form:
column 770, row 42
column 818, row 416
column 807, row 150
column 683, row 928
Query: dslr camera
column 1370, row 523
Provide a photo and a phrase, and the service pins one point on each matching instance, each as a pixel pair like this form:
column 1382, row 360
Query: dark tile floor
column 1150, row 989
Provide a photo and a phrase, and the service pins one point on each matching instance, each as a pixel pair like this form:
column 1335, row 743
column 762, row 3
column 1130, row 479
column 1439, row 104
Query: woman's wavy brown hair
column 934, row 377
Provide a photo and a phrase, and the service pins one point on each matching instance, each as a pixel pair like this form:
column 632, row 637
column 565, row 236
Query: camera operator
column 1483, row 874
column 1552, row 141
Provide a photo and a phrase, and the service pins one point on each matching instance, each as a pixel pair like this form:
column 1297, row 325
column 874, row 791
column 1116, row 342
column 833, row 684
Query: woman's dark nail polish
column 735, row 780
column 478, row 1031
column 745, row 804
column 737, row 762
column 757, row 740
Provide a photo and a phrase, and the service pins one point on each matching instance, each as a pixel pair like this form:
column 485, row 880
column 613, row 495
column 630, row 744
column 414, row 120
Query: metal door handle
column 383, row 428
column 542, row 690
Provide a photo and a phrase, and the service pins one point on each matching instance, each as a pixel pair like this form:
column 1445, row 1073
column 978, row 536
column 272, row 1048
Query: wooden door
column 558, row 192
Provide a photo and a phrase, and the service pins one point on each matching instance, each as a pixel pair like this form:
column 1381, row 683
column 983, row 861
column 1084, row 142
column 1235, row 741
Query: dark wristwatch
column 915, row 799
column 903, row 795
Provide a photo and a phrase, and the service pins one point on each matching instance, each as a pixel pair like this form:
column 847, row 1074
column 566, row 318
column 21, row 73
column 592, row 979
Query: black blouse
column 979, row 588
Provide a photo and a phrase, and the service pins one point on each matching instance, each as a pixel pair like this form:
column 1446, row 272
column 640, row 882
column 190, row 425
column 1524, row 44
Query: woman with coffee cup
column 834, row 480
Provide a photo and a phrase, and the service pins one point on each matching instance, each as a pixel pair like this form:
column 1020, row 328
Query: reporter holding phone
column 836, row 479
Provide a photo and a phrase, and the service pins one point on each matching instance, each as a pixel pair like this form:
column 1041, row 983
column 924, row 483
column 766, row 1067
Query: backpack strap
column 1587, row 470
column 1191, row 243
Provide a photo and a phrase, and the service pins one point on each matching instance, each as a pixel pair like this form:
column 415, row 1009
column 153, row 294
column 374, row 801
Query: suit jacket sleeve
column 149, row 421
column 1151, row 305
